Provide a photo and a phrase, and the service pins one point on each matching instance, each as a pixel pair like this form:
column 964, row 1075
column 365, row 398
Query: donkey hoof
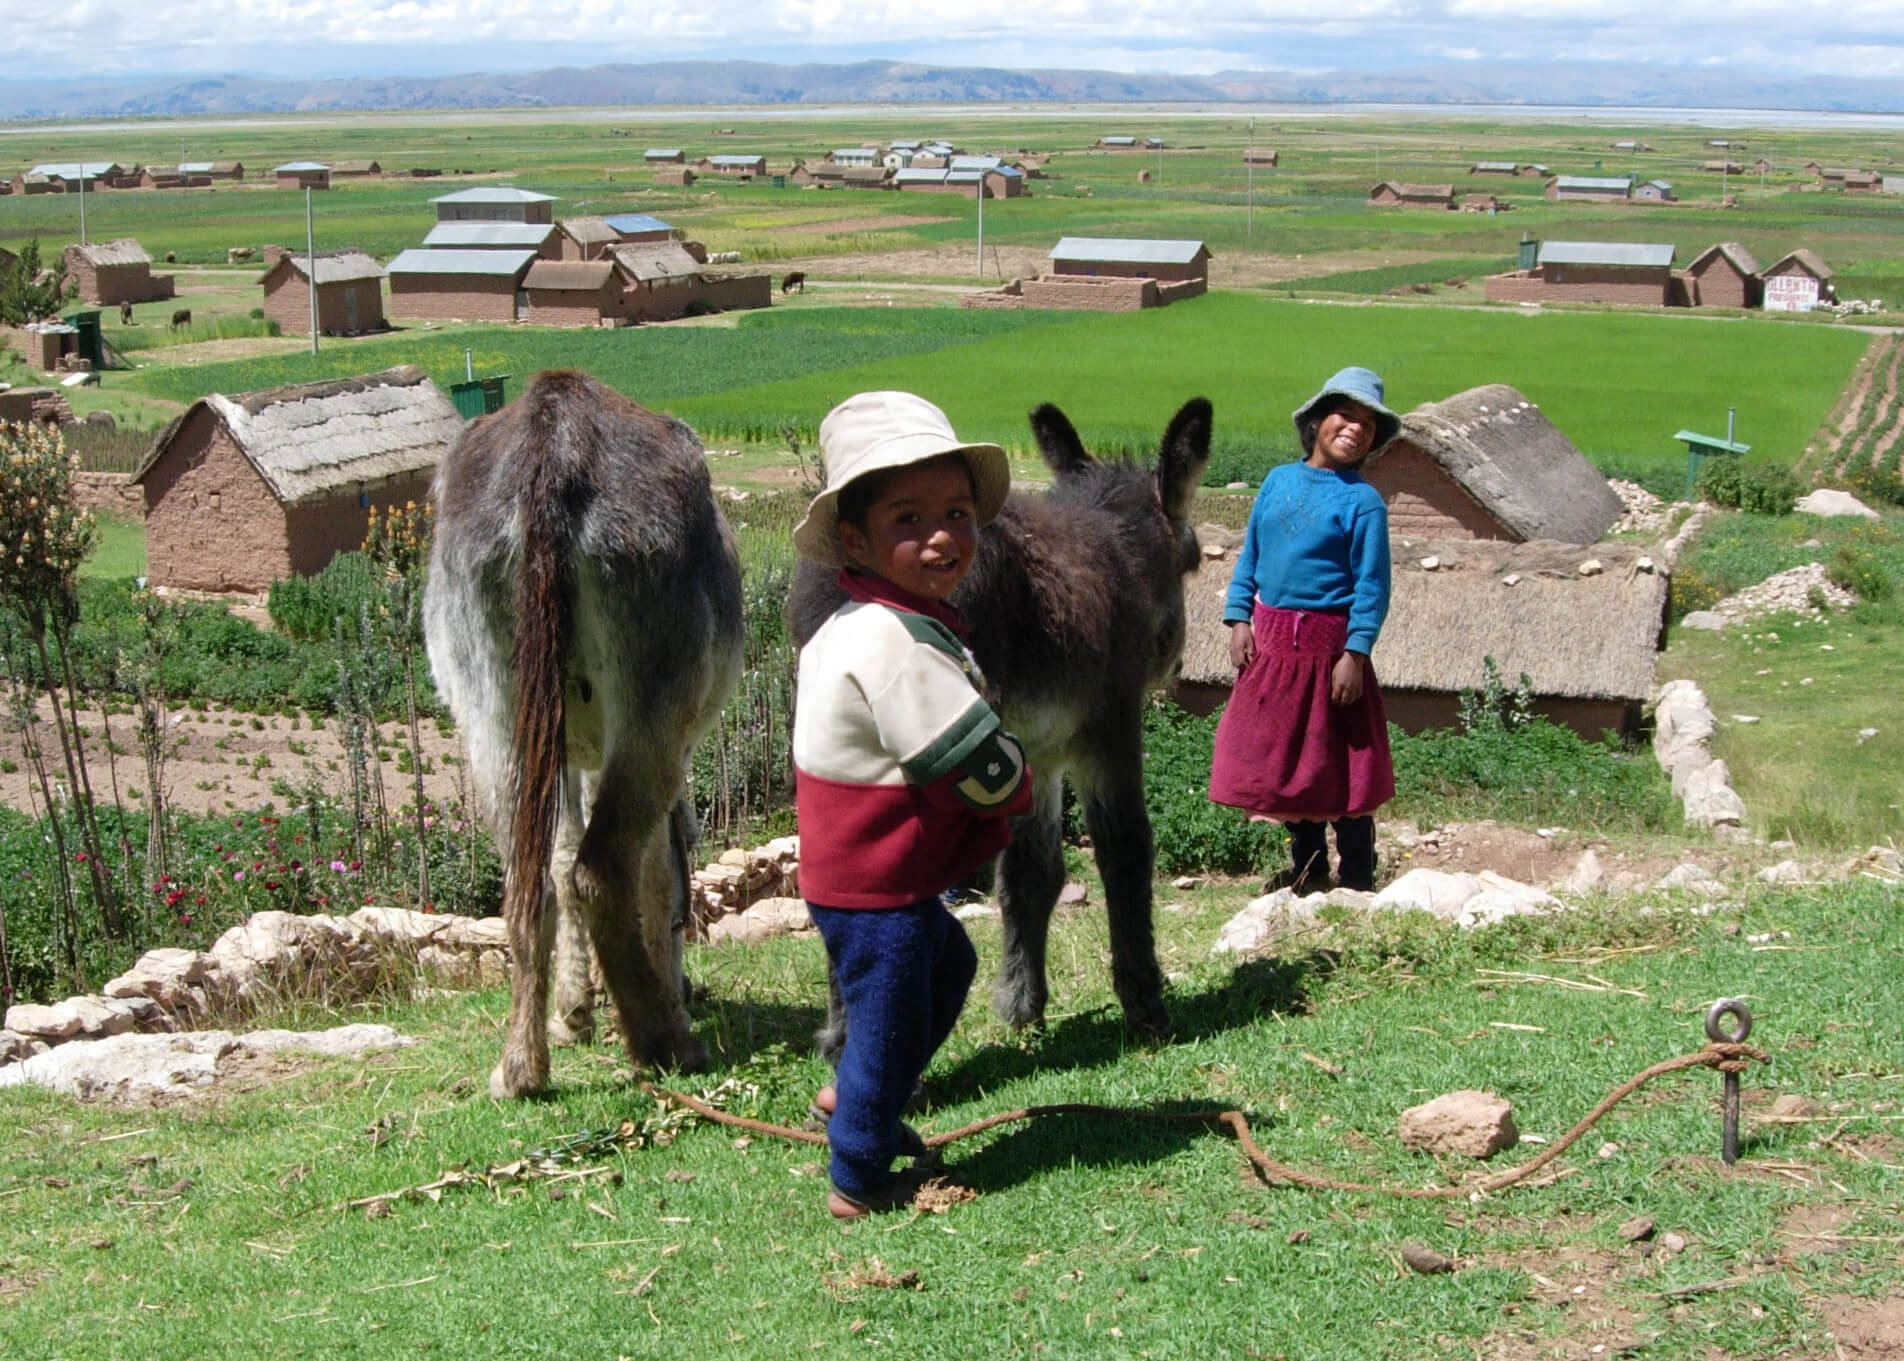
column 1148, row 1022
column 1018, row 1010
column 563, row 1033
column 676, row 1052
column 512, row 1079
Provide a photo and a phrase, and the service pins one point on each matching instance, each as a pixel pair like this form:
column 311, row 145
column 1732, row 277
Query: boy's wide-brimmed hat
column 872, row 432
column 1359, row 385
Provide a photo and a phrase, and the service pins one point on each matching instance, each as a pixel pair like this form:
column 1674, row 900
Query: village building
column 1169, row 261
column 584, row 238
column 1723, row 168
column 171, row 177
column 1797, row 282
column 897, row 158
column 216, row 170
column 816, row 175
column 1484, row 203
column 1590, row 188
column 733, row 166
column 1653, row 191
column 1395, row 194
column 856, row 155
column 1260, row 156
column 349, row 292
column 664, row 155
column 1117, row 142
column 1107, row 274
column 661, row 280
column 1841, row 177
column 1487, row 464
column 355, row 170
column 112, row 272
column 1726, row 275
column 1634, row 273
column 574, row 293
column 1760, row 167
column 1002, row 181
column 457, row 285
column 639, row 227
column 67, row 177
column 1495, row 168
column 1628, row 145
column 496, row 203
column 302, row 175
column 246, row 490
column 1535, row 170
column 540, row 237
column 929, row 160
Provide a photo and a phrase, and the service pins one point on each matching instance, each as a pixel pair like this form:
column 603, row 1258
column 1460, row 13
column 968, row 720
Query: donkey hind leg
column 830, row 1038
column 573, row 1014
column 524, row 1067
column 1029, row 880
column 624, row 880
column 684, row 834
column 1121, row 840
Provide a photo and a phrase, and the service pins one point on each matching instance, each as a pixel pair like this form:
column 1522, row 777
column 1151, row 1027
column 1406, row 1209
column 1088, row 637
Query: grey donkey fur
column 1077, row 613
column 583, row 619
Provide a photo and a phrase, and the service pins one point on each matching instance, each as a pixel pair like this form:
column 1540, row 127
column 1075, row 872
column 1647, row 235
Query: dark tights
column 1354, row 848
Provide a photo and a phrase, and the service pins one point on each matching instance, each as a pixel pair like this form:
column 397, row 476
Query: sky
column 323, row 38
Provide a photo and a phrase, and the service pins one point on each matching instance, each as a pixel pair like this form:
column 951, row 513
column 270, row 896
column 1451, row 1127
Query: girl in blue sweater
column 1304, row 739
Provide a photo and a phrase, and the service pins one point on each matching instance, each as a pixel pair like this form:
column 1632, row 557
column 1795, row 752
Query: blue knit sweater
column 1317, row 540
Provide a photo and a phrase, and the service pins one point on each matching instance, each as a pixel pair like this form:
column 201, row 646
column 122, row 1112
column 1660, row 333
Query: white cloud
column 378, row 37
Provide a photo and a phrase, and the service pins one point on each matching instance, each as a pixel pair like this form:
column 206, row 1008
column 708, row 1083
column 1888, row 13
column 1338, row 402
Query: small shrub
column 1689, row 590
column 304, row 607
column 1191, row 833
column 1859, row 571
column 1874, row 485
column 1764, row 489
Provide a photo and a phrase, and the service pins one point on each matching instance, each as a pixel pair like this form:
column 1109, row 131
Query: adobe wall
column 1117, row 269
column 112, row 493
column 738, row 291
column 1722, row 286
column 1425, row 502
column 448, row 298
column 1580, row 284
column 318, row 531
column 1168, row 293
column 1516, row 287
column 567, row 307
column 211, row 524
column 288, row 302
column 1078, row 292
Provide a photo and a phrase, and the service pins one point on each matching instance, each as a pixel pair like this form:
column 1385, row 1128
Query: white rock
column 1186, row 882
column 141, row 1067
column 14, row 1047
column 1511, row 579
column 1692, row 879
column 1866, row 734
column 1592, row 567
column 1747, row 719
column 1829, row 501
column 1587, row 874
column 973, row 912
column 1264, row 920
column 766, row 919
column 42, row 1022
column 172, row 978
column 1711, row 800
column 1703, row 619
column 398, row 925
column 475, row 933
column 1439, row 892
column 1429, row 564
column 1784, row 872
column 448, row 968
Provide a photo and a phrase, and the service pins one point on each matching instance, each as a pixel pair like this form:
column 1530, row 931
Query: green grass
column 220, row 1228
column 1814, row 685
column 120, row 551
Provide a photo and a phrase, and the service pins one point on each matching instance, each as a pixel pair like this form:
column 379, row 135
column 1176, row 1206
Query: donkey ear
column 1058, row 441
column 1185, row 450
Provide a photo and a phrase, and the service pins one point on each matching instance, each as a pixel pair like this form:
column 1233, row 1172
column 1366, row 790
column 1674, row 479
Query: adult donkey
column 1076, row 607
column 583, row 618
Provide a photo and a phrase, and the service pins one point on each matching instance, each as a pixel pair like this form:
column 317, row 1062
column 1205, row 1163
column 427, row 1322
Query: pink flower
column 237, row 876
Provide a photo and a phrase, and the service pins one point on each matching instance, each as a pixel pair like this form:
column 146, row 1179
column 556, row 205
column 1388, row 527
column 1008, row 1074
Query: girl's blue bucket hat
column 1359, row 385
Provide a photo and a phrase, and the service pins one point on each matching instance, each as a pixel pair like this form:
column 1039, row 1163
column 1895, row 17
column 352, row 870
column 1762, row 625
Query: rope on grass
column 1724, row 1056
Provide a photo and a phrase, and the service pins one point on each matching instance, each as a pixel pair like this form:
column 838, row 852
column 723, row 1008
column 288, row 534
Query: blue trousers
column 903, row 973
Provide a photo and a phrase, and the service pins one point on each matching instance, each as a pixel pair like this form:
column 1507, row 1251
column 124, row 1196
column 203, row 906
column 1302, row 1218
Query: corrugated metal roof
column 736, row 160
column 630, row 223
column 494, row 194
column 1509, row 166
column 504, row 263
column 1117, row 140
column 658, row 153
column 339, row 267
column 483, row 235
column 1741, row 258
column 290, row 167
column 903, row 177
column 196, row 167
column 1126, row 250
column 72, row 170
column 977, row 162
column 904, row 146
column 1622, row 253
column 1623, row 182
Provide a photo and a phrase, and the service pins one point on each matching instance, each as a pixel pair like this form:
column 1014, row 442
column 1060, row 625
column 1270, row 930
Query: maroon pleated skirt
column 1283, row 749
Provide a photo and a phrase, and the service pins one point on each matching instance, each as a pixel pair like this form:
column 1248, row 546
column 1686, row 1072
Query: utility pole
column 310, row 263
column 1249, row 183
column 82, row 203
column 981, row 224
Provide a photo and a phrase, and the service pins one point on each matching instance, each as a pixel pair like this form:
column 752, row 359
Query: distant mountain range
column 885, row 82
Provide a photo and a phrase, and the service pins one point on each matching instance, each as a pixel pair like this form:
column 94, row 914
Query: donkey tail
column 545, row 596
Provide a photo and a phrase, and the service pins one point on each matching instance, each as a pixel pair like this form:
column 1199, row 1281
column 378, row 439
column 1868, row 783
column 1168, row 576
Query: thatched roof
column 124, row 251
column 336, row 267
column 648, row 260
column 1499, row 448
column 1805, row 260
column 1577, row 637
column 588, row 231
column 311, row 440
column 569, row 275
column 1740, row 258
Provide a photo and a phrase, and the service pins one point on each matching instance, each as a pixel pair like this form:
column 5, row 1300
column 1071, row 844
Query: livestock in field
column 583, row 620
column 796, row 280
column 125, row 314
column 181, row 317
column 1076, row 607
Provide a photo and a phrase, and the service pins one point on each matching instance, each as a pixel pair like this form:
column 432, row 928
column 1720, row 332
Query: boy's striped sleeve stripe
column 955, row 743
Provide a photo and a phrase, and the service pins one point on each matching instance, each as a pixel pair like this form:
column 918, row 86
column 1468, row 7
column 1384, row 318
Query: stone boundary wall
column 110, row 492
column 1683, row 726
column 1090, row 294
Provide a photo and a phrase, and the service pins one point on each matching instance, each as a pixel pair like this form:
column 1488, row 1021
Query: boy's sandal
column 895, row 1194
column 911, row 1143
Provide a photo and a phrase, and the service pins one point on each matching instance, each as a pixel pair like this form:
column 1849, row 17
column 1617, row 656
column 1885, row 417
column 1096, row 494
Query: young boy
column 904, row 778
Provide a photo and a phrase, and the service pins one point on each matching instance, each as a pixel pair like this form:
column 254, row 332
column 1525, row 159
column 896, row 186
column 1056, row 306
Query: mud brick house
column 242, row 491
column 349, row 292
column 171, row 177
column 355, row 170
column 1495, row 168
column 574, row 293
column 1486, row 464
column 302, row 175
column 66, row 177
column 539, row 237
column 1635, row 273
column 1118, row 142
column 1654, row 191
column 1260, row 156
column 1590, row 188
column 1395, row 194
column 1132, row 258
column 660, row 155
column 1797, row 282
column 115, row 272
column 1841, row 177
column 1107, row 274
column 733, row 166
column 457, row 285
column 1723, row 168
column 215, row 170
column 495, row 203
column 1726, row 276
column 584, row 238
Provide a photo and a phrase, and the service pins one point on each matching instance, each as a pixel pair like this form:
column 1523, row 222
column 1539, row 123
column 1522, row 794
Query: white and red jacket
column 903, row 777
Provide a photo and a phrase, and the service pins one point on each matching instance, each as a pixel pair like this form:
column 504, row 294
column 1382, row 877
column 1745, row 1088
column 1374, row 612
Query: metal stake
column 1716, row 1032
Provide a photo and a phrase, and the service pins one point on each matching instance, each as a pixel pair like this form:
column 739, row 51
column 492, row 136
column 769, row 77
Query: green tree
column 28, row 293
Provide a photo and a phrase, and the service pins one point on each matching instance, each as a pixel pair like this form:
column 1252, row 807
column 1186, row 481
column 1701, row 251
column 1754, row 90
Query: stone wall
column 112, row 493
column 1424, row 502
column 1077, row 292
